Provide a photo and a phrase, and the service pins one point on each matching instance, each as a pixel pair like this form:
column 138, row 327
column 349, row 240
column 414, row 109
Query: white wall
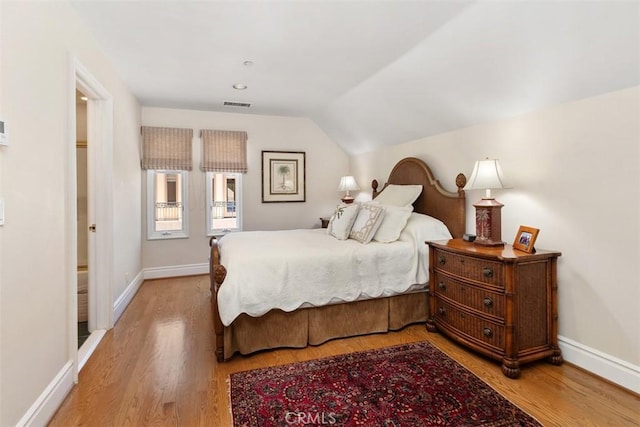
column 38, row 39
column 325, row 164
column 575, row 170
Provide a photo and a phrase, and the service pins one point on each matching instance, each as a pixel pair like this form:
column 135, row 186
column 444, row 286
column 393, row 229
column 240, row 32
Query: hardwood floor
column 157, row 367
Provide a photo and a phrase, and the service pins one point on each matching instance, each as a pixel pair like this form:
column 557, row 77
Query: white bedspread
column 291, row 268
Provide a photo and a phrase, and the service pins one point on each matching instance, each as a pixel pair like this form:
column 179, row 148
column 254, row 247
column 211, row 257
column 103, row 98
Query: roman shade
column 224, row 151
column 166, row 148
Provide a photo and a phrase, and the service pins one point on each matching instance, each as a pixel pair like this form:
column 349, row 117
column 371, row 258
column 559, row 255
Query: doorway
column 95, row 241
column 82, row 197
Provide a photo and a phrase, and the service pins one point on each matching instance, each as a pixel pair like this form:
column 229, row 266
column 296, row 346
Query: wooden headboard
column 434, row 200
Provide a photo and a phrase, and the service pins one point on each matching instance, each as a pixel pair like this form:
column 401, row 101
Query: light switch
column 1, row 211
column 4, row 138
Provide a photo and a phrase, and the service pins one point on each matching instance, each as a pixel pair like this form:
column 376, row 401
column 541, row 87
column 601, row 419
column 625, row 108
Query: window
column 167, row 204
column 224, row 202
column 166, row 156
column 224, row 159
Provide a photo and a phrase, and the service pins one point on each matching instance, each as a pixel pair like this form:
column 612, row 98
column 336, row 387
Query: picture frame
column 526, row 239
column 283, row 176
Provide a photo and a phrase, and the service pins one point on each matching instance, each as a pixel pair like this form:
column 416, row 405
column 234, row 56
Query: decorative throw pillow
column 342, row 220
column 399, row 195
column 395, row 219
column 367, row 222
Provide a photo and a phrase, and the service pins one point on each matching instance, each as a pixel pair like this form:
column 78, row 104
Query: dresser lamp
column 348, row 183
column 487, row 175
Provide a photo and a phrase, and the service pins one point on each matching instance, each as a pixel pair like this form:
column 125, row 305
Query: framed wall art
column 283, row 176
column 525, row 239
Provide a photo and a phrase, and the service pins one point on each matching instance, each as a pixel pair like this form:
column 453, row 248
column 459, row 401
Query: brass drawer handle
column 487, row 332
column 488, row 302
column 487, row 272
column 442, row 260
column 442, row 311
column 442, row 286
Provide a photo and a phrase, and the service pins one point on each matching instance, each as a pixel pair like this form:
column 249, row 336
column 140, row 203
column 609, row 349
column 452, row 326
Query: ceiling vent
column 236, row 104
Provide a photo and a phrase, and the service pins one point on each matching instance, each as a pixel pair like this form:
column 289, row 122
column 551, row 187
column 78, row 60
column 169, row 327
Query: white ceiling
column 370, row 73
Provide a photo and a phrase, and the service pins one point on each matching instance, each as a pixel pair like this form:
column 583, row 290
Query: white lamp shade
column 486, row 174
column 348, row 183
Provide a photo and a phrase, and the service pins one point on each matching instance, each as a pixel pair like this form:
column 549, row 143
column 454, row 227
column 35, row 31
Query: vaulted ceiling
column 370, row 73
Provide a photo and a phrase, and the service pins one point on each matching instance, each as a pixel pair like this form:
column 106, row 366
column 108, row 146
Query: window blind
column 166, row 148
column 224, row 151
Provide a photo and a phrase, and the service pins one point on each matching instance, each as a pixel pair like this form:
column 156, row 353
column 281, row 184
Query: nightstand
column 498, row 301
column 324, row 221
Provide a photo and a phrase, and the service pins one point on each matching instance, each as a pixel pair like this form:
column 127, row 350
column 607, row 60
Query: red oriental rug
column 407, row 385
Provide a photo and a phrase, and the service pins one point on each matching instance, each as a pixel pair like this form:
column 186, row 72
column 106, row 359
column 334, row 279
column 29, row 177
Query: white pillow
column 423, row 227
column 367, row 222
column 399, row 195
column 395, row 219
column 342, row 220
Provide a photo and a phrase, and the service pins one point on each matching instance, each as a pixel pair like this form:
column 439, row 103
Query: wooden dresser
column 499, row 301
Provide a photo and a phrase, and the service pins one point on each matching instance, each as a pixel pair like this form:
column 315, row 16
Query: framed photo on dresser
column 526, row 238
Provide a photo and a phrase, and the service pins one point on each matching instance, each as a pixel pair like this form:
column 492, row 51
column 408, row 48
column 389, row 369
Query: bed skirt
column 317, row 325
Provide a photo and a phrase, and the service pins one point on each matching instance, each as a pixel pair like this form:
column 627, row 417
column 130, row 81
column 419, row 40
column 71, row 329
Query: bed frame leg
column 217, row 274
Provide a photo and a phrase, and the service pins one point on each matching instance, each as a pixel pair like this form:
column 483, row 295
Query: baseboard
column 125, row 298
column 176, row 271
column 604, row 365
column 89, row 346
column 50, row 400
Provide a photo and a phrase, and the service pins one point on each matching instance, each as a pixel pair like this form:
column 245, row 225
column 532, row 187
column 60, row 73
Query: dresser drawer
column 476, row 327
column 477, row 269
column 475, row 298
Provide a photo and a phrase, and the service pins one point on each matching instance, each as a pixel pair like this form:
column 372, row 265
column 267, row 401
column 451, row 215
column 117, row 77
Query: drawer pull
column 442, row 311
column 487, row 272
column 442, row 286
column 442, row 260
column 487, row 332
column 488, row 302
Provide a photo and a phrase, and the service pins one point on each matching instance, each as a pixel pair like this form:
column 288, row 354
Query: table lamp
column 487, row 175
column 348, row 183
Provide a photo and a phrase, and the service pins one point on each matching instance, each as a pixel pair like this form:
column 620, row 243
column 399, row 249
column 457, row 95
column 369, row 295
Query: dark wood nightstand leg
column 511, row 368
column 556, row 357
column 431, row 326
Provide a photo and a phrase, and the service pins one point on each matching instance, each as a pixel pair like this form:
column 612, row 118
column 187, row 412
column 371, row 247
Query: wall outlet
column 126, row 278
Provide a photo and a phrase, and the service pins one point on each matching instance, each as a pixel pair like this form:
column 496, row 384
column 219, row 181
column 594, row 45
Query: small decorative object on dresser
column 525, row 239
column 498, row 301
column 324, row 222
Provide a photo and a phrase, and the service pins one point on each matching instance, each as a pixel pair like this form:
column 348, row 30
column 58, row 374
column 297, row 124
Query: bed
column 386, row 295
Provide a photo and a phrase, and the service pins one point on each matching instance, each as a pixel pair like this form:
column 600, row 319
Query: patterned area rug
column 407, row 385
